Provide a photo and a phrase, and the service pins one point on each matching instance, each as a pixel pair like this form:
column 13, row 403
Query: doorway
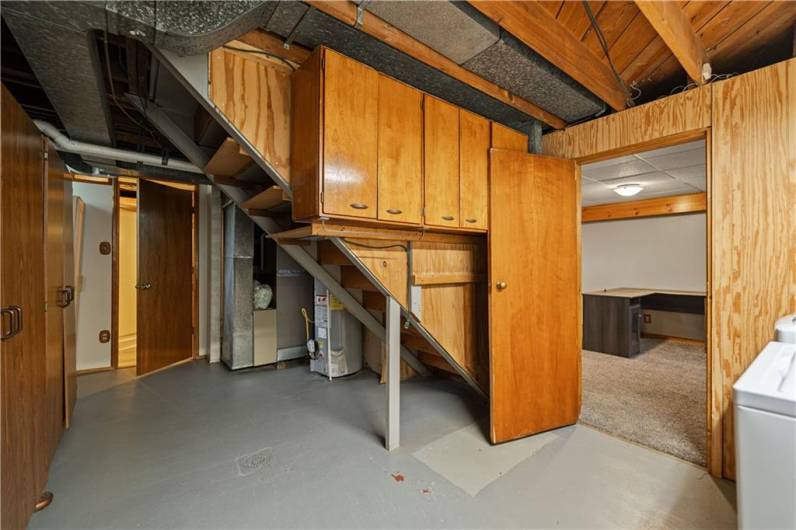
column 645, row 269
column 154, row 298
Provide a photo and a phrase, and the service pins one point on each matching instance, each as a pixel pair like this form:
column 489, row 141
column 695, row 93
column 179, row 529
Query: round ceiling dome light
column 628, row 190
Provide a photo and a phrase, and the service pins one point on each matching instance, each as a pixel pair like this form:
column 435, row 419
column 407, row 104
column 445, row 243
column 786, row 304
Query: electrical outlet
column 647, row 318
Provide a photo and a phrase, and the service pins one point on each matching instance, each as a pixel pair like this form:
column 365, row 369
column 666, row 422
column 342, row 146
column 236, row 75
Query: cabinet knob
column 394, row 211
column 448, row 217
column 359, row 206
column 470, row 220
column 501, row 285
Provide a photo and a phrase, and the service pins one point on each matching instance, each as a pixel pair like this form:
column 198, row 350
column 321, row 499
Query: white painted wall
column 95, row 295
column 657, row 252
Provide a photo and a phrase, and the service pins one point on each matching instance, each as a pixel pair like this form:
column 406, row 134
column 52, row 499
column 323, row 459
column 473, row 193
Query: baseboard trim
column 87, row 371
column 674, row 339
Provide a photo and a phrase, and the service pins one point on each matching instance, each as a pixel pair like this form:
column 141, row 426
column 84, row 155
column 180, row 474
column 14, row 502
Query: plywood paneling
column 677, row 204
column 253, row 92
column 753, row 220
column 506, row 138
column 657, row 120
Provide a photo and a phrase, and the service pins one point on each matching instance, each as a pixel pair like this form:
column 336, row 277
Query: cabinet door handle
column 394, row 211
column 142, row 286
column 448, row 217
column 470, row 220
column 4, row 335
column 359, row 206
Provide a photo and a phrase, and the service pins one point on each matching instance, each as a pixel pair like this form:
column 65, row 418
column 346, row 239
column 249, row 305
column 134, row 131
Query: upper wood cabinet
column 506, row 138
column 474, row 142
column 400, row 152
column 366, row 147
column 441, row 149
column 334, row 138
column 350, row 141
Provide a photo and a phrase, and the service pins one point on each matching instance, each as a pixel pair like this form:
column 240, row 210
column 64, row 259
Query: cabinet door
column 441, row 175
column 350, row 113
column 505, row 138
column 400, row 151
column 473, row 170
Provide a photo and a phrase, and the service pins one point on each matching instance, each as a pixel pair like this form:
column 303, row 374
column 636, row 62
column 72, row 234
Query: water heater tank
column 786, row 329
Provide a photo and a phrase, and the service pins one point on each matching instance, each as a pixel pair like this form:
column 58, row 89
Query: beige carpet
column 656, row 399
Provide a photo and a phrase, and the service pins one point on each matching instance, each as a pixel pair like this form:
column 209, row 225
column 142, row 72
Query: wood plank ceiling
column 733, row 33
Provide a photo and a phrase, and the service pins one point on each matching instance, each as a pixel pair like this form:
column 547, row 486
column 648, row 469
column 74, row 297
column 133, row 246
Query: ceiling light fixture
column 628, row 190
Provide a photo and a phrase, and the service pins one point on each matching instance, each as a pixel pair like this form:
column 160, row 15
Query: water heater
column 338, row 337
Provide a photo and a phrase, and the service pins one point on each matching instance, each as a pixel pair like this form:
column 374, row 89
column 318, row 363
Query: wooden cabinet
column 505, row 138
column 400, row 152
column 474, row 141
column 366, row 147
column 350, row 124
column 441, row 149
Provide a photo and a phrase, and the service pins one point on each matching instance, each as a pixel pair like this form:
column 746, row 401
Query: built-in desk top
column 635, row 292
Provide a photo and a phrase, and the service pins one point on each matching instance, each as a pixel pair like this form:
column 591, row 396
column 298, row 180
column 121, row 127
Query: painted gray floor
column 200, row 447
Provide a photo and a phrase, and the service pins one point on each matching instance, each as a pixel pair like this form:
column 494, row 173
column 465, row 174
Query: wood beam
column 530, row 22
column 273, row 44
column 346, row 12
column 675, row 205
column 672, row 25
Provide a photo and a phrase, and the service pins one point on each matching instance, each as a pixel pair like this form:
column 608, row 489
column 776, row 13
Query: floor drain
column 252, row 463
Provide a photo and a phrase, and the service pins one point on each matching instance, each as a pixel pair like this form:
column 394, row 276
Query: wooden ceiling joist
column 674, row 28
column 270, row 43
column 538, row 29
column 346, row 12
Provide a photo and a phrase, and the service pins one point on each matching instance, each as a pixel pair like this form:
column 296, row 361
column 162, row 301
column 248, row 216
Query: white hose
column 63, row 143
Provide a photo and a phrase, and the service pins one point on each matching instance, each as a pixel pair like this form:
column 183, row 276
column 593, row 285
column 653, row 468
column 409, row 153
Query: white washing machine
column 765, row 439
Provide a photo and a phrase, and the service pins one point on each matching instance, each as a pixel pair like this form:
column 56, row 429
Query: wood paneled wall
column 750, row 125
column 253, row 92
column 753, row 207
column 649, row 123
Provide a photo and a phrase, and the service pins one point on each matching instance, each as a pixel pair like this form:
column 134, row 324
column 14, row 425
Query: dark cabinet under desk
column 612, row 324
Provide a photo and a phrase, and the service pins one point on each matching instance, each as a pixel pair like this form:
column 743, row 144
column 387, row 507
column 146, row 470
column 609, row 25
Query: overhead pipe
column 64, row 143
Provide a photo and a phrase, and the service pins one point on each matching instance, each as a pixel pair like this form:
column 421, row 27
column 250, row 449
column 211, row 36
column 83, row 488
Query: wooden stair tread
column 228, row 160
column 265, row 200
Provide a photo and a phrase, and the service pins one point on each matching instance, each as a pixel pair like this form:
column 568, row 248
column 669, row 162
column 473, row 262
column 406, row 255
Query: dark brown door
column 534, row 294
column 165, row 249
column 56, row 296
column 22, row 368
column 70, row 320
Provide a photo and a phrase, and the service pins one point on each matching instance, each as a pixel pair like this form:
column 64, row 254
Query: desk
column 612, row 317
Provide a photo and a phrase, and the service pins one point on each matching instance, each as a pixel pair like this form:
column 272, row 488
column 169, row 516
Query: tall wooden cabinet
column 365, row 147
column 32, row 297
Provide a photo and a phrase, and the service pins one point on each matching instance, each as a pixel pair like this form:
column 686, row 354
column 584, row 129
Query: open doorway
column 126, row 344
column 644, row 266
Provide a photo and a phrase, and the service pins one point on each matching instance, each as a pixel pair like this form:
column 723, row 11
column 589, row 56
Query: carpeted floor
column 656, row 398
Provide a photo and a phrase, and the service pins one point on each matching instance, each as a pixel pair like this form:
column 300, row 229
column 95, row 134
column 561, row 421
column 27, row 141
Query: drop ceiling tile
column 610, row 162
column 646, row 179
column 626, row 168
column 695, row 176
column 677, row 160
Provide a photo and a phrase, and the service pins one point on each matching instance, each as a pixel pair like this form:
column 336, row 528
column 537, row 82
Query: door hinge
column 46, row 155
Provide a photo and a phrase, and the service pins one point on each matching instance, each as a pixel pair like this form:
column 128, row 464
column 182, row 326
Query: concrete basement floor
column 199, row 447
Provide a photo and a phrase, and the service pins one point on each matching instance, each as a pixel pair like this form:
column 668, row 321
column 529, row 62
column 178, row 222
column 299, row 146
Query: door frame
column 714, row 382
column 115, row 273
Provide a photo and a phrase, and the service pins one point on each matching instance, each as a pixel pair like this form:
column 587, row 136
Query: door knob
column 142, row 286
column 501, row 285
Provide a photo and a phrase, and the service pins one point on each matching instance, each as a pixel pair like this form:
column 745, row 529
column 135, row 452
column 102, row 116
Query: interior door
column 23, row 470
column 350, row 145
column 165, row 264
column 70, row 316
column 57, row 297
column 534, row 294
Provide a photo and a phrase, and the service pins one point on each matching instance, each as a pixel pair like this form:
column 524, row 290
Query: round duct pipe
column 63, row 143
